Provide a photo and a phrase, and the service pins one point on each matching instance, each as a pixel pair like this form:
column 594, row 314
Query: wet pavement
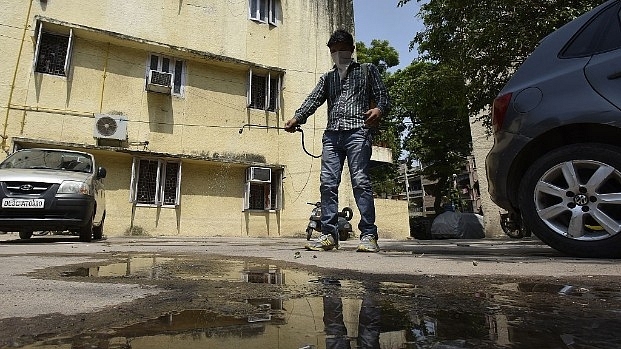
column 253, row 293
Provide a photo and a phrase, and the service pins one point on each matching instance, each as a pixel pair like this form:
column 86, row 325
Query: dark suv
column 52, row 190
column 556, row 160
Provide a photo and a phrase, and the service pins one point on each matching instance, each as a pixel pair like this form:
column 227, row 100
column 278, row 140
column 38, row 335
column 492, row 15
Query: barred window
column 263, row 194
column 264, row 91
column 171, row 66
column 155, row 182
column 52, row 52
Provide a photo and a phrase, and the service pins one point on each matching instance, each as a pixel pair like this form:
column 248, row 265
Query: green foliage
column 432, row 97
column 135, row 231
column 388, row 134
column 486, row 40
column 380, row 53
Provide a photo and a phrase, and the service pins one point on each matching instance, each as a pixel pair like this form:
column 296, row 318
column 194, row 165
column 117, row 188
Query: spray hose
column 297, row 129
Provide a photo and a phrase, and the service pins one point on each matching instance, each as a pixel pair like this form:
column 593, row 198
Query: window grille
column 147, row 182
column 169, row 65
column 155, row 182
column 264, row 196
column 52, row 54
column 264, row 91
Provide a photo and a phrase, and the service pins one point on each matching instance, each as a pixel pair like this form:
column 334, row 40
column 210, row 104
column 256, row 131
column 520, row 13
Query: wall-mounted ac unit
column 259, row 174
column 110, row 127
column 159, row 81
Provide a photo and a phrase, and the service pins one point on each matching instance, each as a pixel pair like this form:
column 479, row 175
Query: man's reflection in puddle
column 368, row 324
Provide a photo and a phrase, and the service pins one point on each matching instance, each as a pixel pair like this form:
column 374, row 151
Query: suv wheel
column 571, row 199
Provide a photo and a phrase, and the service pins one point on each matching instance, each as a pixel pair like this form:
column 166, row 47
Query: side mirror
column 101, row 172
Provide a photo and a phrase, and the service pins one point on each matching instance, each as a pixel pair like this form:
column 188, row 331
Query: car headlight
column 74, row 187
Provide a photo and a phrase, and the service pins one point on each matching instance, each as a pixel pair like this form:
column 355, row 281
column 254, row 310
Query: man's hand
column 291, row 125
column 372, row 117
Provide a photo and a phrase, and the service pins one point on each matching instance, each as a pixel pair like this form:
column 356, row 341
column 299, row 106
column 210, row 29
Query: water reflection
column 132, row 266
column 343, row 314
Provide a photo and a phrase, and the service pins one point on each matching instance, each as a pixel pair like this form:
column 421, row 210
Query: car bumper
column 62, row 213
column 498, row 164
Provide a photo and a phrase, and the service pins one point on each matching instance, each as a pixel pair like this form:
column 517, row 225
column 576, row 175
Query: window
column 176, row 68
column 264, row 91
column 155, row 182
column 601, row 34
column 263, row 193
column 265, row 11
column 53, row 52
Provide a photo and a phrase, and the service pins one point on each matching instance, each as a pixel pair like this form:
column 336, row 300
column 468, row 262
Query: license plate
column 22, row 203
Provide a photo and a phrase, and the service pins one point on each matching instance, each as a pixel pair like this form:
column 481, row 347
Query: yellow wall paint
column 219, row 45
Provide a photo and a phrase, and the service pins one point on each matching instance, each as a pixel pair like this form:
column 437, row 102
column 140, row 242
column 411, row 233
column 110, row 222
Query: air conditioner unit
column 110, row 127
column 159, row 81
column 259, row 174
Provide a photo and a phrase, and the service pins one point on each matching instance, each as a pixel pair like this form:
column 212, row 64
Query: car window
column 48, row 159
column 600, row 34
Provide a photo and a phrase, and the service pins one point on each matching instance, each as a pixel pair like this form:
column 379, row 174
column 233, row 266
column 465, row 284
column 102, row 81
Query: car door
column 604, row 68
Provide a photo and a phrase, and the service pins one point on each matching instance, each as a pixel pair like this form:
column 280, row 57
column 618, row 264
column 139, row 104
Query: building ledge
column 241, row 160
column 120, row 39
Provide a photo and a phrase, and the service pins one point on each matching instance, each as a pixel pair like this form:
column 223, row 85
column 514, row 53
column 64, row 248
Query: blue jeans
column 355, row 145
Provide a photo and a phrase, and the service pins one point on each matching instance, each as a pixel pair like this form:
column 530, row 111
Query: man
column 349, row 88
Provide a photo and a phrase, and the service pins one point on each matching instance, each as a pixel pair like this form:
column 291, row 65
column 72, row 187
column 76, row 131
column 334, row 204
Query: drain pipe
column 3, row 144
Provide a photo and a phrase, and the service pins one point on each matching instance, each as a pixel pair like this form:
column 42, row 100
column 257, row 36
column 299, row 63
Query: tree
column 486, row 40
column 432, row 96
column 388, row 134
column 380, row 53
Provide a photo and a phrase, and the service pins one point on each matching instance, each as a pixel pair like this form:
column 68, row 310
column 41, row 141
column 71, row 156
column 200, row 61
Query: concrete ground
column 528, row 257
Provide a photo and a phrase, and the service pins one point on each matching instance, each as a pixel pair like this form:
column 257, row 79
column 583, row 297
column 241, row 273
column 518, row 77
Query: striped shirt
column 347, row 99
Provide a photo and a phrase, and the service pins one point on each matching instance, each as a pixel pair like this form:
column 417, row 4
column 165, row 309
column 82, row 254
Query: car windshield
column 48, row 159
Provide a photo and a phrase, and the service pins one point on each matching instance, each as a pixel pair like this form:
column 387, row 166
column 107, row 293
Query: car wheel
column 25, row 235
column 571, row 199
column 98, row 230
column 86, row 232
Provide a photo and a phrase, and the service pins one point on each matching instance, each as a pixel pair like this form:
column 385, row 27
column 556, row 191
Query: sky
column 383, row 20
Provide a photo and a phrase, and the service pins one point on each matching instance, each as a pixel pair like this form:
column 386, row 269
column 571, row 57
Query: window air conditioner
column 110, row 127
column 259, row 174
column 159, row 81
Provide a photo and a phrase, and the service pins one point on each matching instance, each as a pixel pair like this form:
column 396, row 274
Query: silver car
column 556, row 160
column 52, row 190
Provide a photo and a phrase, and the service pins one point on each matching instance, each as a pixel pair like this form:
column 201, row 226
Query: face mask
column 342, row 59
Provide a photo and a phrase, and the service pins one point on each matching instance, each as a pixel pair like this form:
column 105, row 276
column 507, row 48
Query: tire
column 511, row 229
column 309, row 233
column 25, row 235
column 347, row 213
column 86, row 232
column 98, row 230
column 569, row 199
column 343, row 235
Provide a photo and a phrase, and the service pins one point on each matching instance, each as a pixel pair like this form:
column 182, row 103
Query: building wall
column 481, row 145
column 219, row 45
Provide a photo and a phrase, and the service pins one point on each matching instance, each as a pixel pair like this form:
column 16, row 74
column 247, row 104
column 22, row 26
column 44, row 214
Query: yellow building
column 159, row 93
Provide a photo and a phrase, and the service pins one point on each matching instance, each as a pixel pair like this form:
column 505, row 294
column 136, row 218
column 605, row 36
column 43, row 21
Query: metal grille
column 160, row 78
column 170, row 183
column 258, row 92
column 273, row 94
column 31, row 188
column 147, row 182
column 257, row 196
column 52, row 54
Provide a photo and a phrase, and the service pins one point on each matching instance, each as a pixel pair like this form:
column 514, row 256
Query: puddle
column 344, row 313
column 133, row 266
